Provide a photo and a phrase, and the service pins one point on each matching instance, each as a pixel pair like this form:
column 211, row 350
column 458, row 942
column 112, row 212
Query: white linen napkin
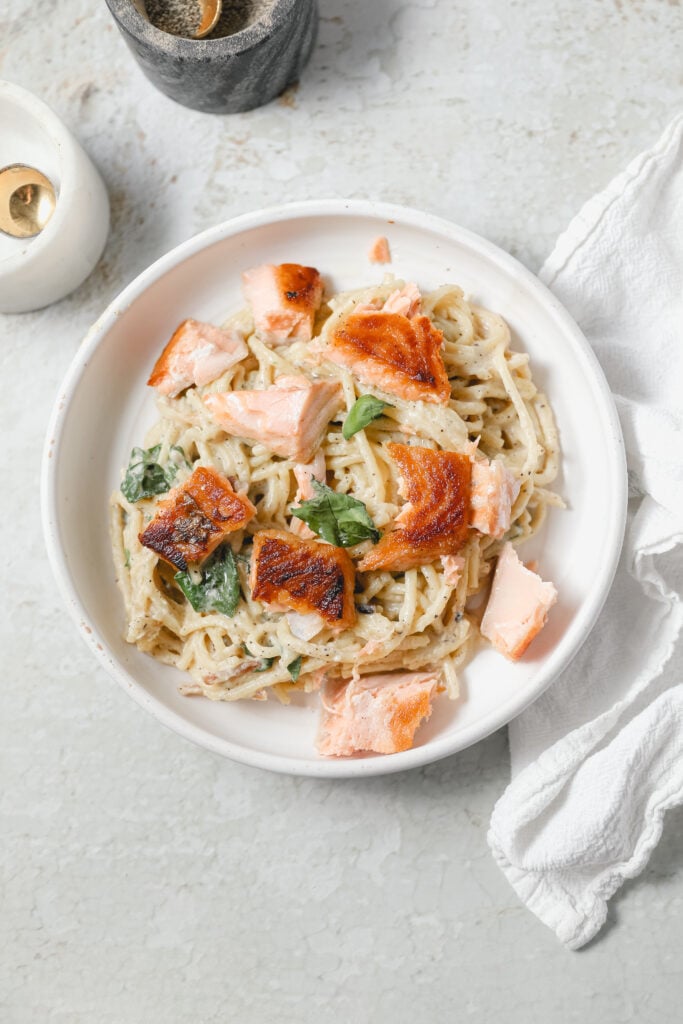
column 598, row 759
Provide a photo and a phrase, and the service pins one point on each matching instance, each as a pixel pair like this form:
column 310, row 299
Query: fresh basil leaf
column 264, row 663
column 294, row 668
column 363, row 411
column 219, row 587
column 337, row 518
column 145, row 477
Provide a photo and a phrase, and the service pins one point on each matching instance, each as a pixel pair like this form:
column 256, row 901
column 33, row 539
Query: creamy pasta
column 413, row 619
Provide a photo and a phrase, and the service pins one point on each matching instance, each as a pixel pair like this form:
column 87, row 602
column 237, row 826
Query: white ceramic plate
column 104, row 409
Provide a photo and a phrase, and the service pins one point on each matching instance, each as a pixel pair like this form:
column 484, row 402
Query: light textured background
column 144, row 881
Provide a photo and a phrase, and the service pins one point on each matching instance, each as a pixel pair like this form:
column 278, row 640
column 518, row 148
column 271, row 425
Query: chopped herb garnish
column 337, row 518
column 363, row 411
column 126, row 562
column 219, row 587
column 294, row 668
column 145, row 477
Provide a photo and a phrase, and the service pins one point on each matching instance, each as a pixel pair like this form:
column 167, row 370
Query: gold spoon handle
column 211, row 12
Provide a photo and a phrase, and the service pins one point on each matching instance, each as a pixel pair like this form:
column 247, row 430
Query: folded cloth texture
column 598, row 759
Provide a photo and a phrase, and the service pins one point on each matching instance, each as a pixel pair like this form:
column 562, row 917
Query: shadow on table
column 665, row 864
column 485, row 765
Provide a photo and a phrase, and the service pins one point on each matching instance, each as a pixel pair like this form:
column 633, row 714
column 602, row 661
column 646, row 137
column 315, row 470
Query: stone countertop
column 143, row 880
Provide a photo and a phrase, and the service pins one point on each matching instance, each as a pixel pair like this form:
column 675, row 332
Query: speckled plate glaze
column 104, row 408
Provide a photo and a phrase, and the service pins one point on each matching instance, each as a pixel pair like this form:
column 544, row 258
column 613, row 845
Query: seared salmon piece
column 518, row 605
column 379, row 713
column 387, row 349
column 284, row 300
column 196, row 354
column 379, row 251
column 494, row 491
column 304, row 576
column 434, row 521
column 194, row 518
column 289, row 417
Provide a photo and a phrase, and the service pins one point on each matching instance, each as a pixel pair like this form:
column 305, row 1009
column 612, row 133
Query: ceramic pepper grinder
column 268, row 45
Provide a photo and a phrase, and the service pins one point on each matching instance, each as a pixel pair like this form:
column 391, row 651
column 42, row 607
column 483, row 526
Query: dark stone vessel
column 228, row 74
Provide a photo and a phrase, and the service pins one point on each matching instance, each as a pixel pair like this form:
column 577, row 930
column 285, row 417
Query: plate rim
column 437, row 748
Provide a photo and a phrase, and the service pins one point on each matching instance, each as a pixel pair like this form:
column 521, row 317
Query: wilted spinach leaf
column 219, row 587
column 337, row 518
column 145, row 477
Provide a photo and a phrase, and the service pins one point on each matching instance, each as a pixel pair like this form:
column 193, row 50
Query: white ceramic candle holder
column 37, row 271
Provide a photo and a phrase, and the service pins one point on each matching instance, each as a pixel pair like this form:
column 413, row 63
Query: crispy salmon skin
column 393, row 353
column 434, row 522
column 304, row 576
column 394, row 348
column 193, row 519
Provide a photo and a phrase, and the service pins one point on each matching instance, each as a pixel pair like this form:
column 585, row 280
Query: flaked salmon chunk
column 518, row 605
column 379, row 251
column 289, row 418
column 494, row 492
column 307, row 471
column 304, row 576
column 406, row 300
column 304, row 472
column 379, row 713
column 453, row 568
column 284, row 299
column 434, row 522
column 196, row 354
column 393, row 348
column 193, row 519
